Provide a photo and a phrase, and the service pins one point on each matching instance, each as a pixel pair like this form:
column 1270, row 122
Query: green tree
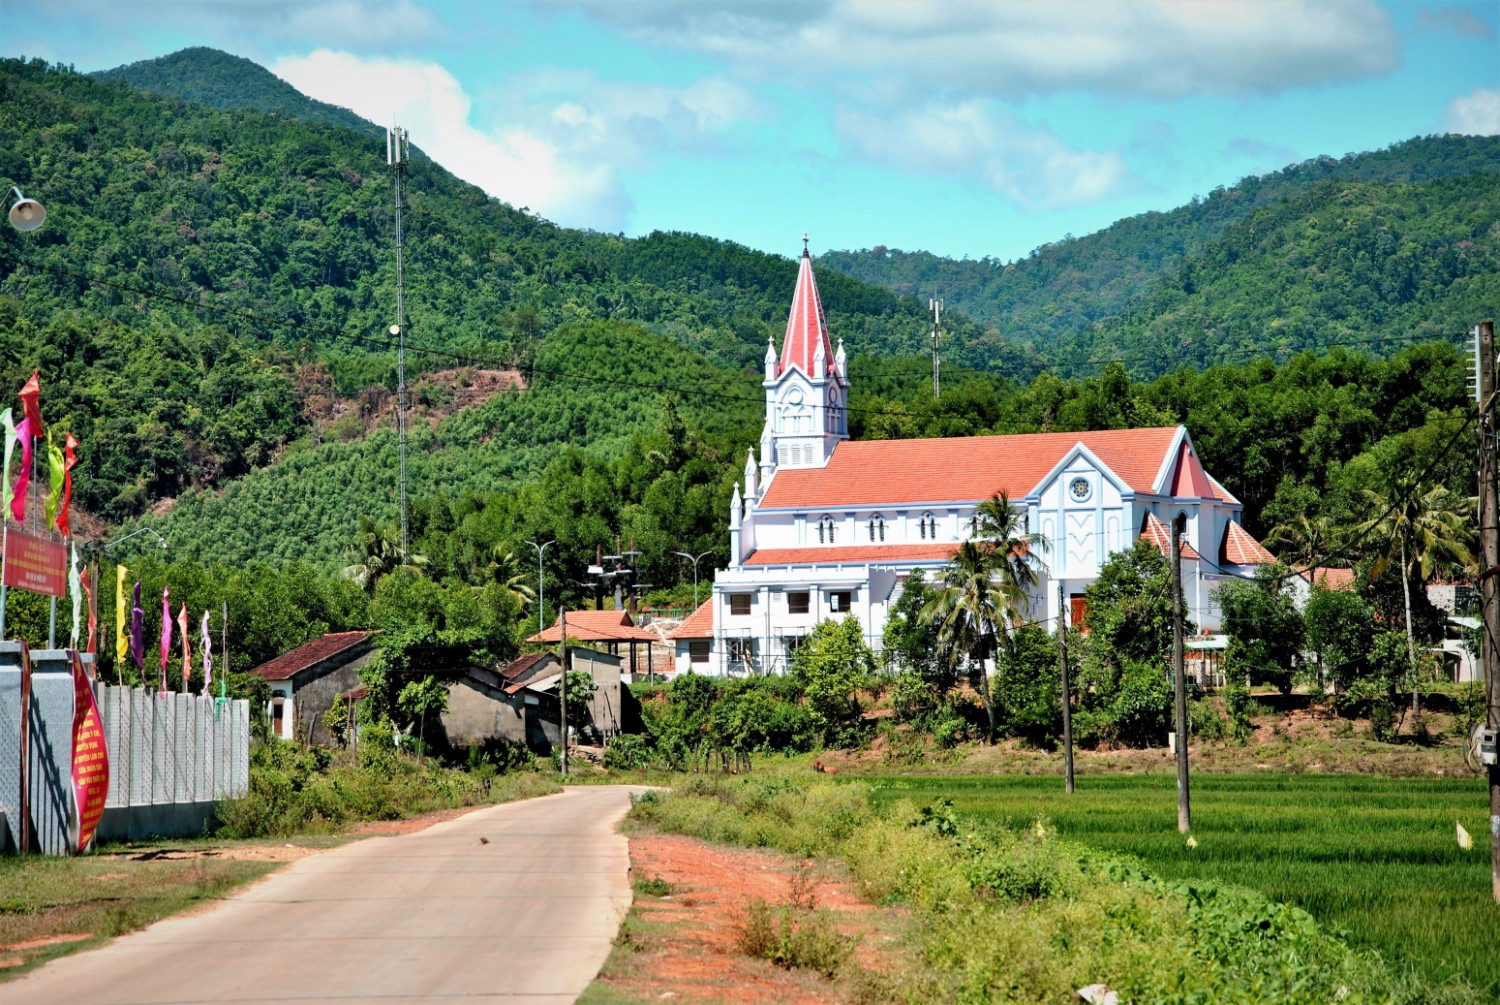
column 1339, row 629
column 829, row 667
column 911, row 641
column 1421, row 529
column 1264, row 627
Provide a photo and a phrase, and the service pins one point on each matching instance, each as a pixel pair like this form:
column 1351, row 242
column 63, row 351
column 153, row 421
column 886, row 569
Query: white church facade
column 823, row 527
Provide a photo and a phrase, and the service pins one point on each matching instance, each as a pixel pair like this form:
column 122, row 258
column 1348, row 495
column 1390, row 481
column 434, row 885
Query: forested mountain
column 209, row 301
column 220, row 80
column 1426, row 207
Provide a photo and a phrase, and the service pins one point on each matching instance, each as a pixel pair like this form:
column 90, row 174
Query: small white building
column 822, row 527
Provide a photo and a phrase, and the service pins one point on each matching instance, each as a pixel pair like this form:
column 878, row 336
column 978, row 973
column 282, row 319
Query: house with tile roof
column 307, row 680
column 823, row 527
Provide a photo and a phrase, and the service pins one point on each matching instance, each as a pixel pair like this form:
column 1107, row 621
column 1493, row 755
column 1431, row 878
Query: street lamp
column 25, row 214
column 540, row 548
column 694, row 560
column 143, row 530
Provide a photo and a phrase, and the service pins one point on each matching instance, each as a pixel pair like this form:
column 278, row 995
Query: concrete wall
column 479, row 709
column 315, row 689
column 171, row 756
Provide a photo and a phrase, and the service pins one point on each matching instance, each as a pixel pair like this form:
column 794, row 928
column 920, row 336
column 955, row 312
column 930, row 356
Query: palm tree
column 1424, row 530
column 379, row 549
column 1305, row 540
column 505, row 569
column 984, row 591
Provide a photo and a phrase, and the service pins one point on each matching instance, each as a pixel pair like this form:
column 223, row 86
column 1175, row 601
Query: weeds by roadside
column 1020, row 916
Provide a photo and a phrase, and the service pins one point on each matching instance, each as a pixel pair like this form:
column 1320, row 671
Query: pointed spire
column 806, row 326
column 838, row 358
column 750, row 489
column 736, row 508
column 770, row 359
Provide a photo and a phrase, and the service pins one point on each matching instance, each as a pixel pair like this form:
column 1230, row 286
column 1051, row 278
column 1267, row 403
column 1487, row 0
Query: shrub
column 793, row 937
column 1206, row 723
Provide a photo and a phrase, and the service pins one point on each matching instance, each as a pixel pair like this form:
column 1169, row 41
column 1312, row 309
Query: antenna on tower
column 397, row 153
column 936, row 307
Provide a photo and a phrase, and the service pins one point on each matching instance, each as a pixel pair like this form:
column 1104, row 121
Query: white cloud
column 970, row 142
column 1475, row 114
column 1009, row 50
column 557, row 142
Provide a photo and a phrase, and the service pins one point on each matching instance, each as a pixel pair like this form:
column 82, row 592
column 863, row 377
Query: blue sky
column 964, row 127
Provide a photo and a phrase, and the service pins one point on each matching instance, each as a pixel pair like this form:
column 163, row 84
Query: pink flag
column 187, row 649
column 23, row 480
column 208, row 648
column 166, row 633
column 30, row 396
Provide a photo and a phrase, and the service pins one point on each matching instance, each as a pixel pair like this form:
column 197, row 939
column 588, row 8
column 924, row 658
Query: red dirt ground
column 685, row 942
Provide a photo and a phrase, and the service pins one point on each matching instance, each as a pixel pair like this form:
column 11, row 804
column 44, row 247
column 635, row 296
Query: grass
column 1376, row 857
column 1026, row 915
column 99, row 896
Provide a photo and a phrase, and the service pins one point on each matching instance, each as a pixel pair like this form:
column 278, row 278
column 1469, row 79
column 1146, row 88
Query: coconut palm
column 379, row 549
column 1305, row 540
column 505, row 569
column 1420, row 530
column 984, row 591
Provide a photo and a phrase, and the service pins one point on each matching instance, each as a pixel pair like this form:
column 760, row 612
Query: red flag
column 24, row 433
column 30, row 401
column 70, row 455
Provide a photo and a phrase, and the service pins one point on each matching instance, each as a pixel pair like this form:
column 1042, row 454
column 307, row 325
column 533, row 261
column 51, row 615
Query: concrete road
column 513, row 904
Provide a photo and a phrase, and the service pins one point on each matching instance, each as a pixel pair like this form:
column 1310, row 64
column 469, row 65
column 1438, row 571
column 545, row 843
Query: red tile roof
column 698, row 625
column 952, row 469
column 524, row 664
column 1242, row 549
column 806, row 327
column 1190, row 481
column 291, row 663
column 1160, row 535
column 835, row 556
column 598, row 626
column 1329, row 579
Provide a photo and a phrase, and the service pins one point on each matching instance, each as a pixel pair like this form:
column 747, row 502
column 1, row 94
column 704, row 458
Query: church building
column 824, row 527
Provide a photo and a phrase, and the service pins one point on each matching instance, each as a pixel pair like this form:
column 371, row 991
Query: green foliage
column 1360, row 853
column 1339, row 631
column 1027, row 687
column 295, row 791
column 829, row 667
column 984, row 895
column 793, row 937
column 1265, row 628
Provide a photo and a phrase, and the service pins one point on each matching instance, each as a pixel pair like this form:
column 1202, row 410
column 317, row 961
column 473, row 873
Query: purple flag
column 166, row 633
column 138, row 629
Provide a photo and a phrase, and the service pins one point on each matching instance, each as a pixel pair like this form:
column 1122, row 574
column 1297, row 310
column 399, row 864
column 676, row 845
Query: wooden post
column 562, row 683
column 1067, row 698
column 1184, row 804
column 1489, row 584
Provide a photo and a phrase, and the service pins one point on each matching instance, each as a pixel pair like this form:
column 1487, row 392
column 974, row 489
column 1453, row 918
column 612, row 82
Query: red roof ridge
column 1241, row 548
column 609, row 625
column 308, row 654
column 1160, row 535
column 698, row 625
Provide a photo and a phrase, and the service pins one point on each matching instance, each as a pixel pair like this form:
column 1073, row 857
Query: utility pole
column 397, row 153
column 1067, row 698
column 936, row 307
column 1489, row 585
column 1179, row 674
column 562, row 684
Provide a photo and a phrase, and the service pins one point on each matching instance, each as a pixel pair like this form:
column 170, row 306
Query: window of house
column 797, row 602
column 742, row 652
column 698, row 650
column 826, row 530
column 927, row 527
column 739, row 603
column 841, row 601
column 877, row 528
column 791, row 643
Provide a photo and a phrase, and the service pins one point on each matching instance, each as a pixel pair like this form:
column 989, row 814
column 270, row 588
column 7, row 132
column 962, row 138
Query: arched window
column 927, row 527
column 877, row 528
column 826, row 530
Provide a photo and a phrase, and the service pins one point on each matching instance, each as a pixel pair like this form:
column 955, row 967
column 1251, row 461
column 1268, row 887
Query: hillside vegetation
column 1379, row 247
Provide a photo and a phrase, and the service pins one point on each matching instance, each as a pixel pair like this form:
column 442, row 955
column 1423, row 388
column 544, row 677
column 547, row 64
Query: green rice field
column 1374, row 857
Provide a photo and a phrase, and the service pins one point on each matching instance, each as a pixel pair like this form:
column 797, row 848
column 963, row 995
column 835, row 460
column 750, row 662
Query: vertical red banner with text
column 90, row 759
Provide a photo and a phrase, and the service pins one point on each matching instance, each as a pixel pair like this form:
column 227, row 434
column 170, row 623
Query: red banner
column 35, row 563
column 90, row 759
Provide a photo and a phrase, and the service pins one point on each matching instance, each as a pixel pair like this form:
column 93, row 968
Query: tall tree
column 984, row 591
column 1420, row 530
